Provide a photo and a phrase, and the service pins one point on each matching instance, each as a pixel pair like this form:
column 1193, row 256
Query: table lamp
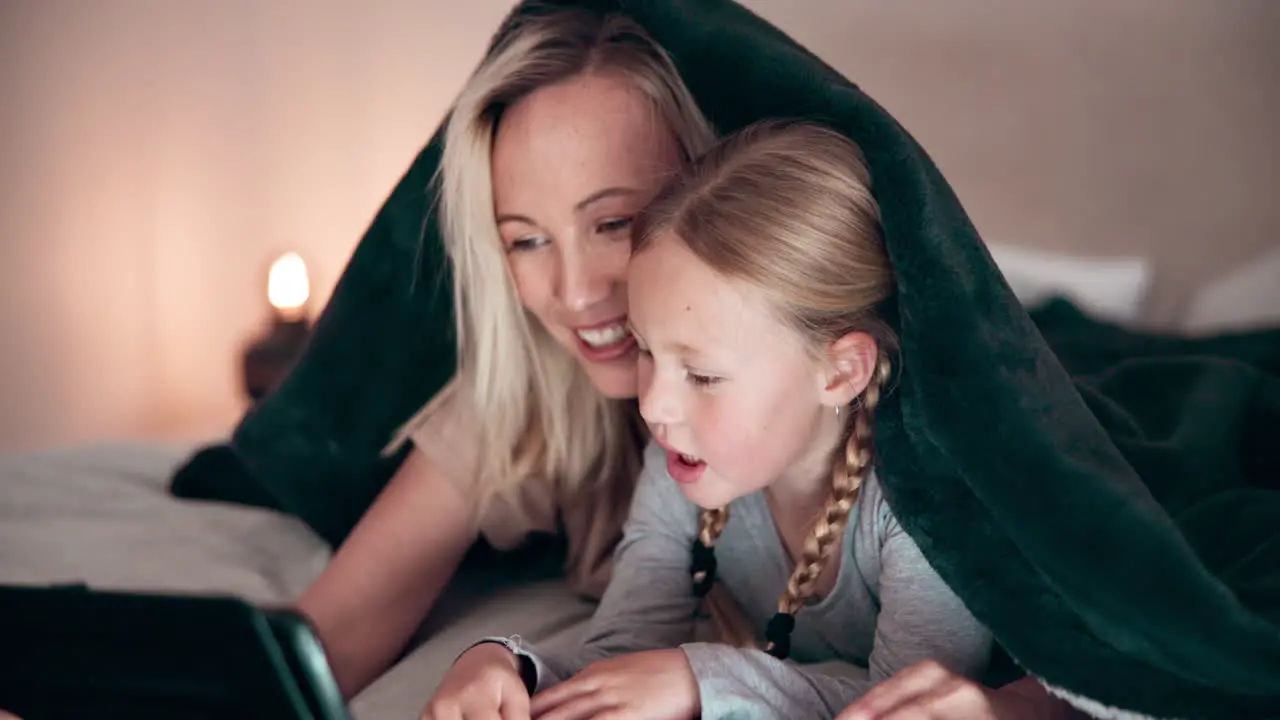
column 270, row 357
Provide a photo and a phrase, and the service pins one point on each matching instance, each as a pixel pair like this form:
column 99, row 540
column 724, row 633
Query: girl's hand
column 650, row 685
column 484, row 684
column 929, row 691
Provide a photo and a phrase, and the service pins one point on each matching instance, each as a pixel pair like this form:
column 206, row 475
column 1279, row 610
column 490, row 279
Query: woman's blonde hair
column 787, row 207
column 537, row 411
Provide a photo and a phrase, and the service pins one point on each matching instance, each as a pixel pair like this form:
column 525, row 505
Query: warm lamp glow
column 269, row 358
column 287, row 285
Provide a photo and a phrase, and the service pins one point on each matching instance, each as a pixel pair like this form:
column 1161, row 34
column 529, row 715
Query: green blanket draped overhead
column 1119, row 531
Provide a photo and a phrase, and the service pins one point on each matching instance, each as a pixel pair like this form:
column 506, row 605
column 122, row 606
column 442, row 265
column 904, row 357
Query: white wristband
column 524, row 664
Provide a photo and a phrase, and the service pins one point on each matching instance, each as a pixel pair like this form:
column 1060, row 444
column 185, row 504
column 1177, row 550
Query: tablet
column 70, row 651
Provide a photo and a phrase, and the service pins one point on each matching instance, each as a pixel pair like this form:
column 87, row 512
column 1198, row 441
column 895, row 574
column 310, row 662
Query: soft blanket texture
column 1117, row 534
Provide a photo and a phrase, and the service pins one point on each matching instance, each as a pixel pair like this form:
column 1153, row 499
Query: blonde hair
column 538, row 411
column 787, row 208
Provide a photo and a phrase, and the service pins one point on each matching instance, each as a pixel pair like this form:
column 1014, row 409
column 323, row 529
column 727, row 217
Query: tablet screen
column 75, row 652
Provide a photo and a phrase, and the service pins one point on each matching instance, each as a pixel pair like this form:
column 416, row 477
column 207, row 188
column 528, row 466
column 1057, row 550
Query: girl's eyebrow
column 686, row 352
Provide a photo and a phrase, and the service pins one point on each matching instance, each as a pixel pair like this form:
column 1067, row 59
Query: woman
column 562, row 135
column 539, row 419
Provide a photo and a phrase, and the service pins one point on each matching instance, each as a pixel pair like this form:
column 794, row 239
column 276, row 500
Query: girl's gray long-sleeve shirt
column 887, row 610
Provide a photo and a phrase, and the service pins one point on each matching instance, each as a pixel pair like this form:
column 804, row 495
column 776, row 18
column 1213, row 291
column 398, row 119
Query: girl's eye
column 526, row 244
column 612, row 226
column 703, row 381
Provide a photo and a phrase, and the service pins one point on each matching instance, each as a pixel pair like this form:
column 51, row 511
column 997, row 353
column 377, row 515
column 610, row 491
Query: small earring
column 837, row 412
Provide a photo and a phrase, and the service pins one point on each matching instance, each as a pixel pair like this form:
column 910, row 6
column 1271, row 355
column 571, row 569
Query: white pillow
column 1108, row 288
column 1244, row 298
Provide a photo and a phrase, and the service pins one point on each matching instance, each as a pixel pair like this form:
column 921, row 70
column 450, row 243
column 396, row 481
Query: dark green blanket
column 1115, row 530
column 1143, row 572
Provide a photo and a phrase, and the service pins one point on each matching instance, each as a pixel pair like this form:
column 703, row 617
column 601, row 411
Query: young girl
column 754, row 291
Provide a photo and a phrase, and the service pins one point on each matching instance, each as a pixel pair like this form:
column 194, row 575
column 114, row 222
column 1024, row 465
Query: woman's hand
column 929, row 691
column 484, row 684
column 650, row 685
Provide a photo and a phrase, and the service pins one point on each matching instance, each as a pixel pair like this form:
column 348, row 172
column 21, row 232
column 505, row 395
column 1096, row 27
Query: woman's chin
column 616, row 380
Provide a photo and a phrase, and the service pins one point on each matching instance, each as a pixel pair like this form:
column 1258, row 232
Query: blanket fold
column 1106, row 502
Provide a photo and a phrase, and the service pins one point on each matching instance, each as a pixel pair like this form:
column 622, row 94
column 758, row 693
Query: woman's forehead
column 576, row 137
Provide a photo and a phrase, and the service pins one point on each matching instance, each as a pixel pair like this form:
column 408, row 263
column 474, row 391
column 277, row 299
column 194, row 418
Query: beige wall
column 1093, row 126
column 155, row 155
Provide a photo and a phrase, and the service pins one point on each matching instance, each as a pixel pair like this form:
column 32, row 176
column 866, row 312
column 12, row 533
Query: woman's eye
column 612, row 226
column 703, row 381
column 525, row 244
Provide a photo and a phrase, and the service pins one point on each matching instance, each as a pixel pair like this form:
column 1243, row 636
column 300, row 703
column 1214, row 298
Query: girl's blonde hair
column 537, row 411
column 787, row 207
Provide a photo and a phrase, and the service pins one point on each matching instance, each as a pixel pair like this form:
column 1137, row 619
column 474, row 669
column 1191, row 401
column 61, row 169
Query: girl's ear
column 850, row 364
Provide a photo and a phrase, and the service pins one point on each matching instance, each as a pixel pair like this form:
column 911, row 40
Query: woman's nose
column 589, row 274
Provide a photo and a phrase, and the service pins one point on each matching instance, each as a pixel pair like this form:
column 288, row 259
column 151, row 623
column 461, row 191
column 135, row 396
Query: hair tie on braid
column 704, row 568
column 848, row 474
column 711, row 524
column 778, row 633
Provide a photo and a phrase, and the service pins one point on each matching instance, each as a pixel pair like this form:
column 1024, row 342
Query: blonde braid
column 847, row 478
column 729, row 621
column 711, row 524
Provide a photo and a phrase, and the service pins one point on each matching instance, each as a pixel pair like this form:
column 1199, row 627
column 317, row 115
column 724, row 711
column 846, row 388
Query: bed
column 102, row 515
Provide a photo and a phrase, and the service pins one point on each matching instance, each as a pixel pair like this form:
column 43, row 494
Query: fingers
column 910, row 712
column 510, row 713
column 925, row 691
column 582, row 707
column 896, row 692
column 515, row 704
column 579, row 711
column 954, row 699
column 960, row 698
column 583, row 697
column 484, row 692
column 553, row 697
column 442, row 710
column 450, row 711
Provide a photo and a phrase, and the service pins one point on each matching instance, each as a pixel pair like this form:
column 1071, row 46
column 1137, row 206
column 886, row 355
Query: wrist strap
column 527, row 668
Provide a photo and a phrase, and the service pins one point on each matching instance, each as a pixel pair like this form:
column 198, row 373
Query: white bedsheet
column 102, row 516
